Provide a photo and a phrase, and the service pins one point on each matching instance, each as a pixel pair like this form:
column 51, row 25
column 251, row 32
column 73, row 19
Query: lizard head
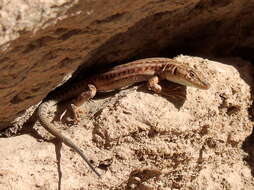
column 186, row 76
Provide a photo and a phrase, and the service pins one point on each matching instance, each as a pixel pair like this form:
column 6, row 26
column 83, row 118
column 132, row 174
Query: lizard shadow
column 174, row 93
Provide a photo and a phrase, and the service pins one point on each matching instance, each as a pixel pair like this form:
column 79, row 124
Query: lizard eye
column 192, row 74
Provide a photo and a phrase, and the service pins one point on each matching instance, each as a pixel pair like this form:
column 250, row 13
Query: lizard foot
column 77, row 113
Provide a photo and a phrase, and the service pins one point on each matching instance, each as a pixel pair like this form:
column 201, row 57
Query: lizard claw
column 62, row 115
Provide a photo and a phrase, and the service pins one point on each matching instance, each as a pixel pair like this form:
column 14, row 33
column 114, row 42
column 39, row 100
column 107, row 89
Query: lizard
column 152, row 70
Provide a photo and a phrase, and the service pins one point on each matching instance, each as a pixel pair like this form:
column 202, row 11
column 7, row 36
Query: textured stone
column 140, row 140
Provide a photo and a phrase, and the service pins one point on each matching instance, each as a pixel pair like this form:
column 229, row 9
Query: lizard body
column 151, row 69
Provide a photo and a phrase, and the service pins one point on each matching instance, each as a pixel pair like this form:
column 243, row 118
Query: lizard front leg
column 80, row 100
column 172, row 91
column 153, row 84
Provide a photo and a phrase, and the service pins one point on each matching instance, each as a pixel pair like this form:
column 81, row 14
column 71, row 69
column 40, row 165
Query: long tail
column 42, row 113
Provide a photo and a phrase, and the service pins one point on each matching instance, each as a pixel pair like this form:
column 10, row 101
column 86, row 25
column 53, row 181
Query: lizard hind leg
column 80, row 100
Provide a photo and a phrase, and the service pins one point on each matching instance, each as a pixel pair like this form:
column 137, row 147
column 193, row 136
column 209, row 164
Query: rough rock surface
column 140, row 140
column 43, row 42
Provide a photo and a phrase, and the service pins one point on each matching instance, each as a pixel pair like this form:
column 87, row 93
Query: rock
column 197, row 145
column 43, row 43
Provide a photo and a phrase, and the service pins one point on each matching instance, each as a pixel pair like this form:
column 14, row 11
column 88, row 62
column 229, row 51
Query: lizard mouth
column 204, row 85
column 198, row 84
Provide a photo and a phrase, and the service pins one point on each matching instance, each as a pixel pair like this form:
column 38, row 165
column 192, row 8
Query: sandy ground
column 140, row 140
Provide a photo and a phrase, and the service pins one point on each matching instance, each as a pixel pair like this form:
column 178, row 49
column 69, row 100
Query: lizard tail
column 42, row 113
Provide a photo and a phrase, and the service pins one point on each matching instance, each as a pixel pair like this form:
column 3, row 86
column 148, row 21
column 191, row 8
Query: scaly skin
column 151, row 69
